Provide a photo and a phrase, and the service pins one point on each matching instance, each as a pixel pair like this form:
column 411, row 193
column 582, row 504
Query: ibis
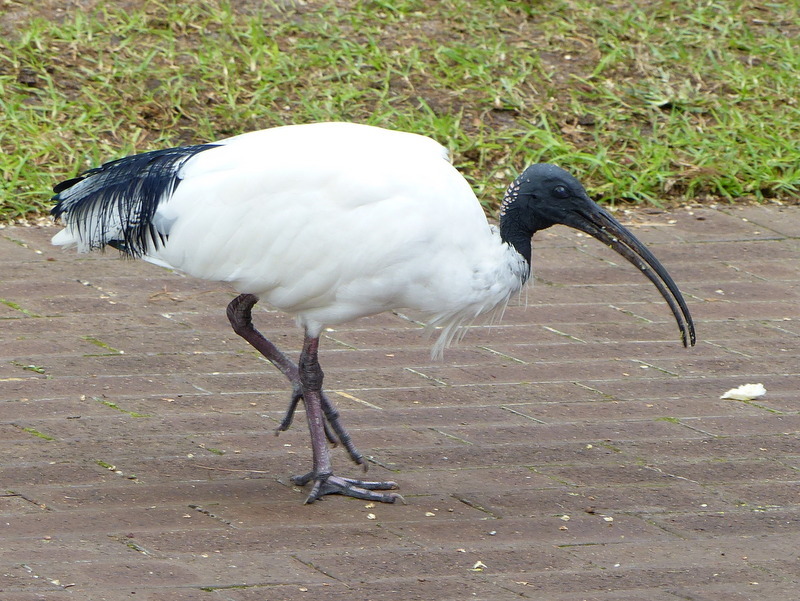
column 330, row 222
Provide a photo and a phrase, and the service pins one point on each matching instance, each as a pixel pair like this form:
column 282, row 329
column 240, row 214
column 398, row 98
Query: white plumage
column 331, row 222
column 334, row 221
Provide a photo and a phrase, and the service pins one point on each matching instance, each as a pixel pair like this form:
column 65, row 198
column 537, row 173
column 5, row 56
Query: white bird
column 330, row 222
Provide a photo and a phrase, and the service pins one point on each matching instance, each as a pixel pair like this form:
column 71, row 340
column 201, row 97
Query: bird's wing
column 303, row 209
column 123, row 202
column 117, row 203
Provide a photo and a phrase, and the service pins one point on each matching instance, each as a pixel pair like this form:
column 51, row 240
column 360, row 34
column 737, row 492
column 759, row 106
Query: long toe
column 297, row 396
column 286, row 422
column 350, row 487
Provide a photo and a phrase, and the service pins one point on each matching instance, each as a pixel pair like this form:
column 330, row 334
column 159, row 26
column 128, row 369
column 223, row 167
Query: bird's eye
column 561, row 191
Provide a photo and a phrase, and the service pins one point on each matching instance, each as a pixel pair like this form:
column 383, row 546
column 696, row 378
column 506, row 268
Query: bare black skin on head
column 546, row 195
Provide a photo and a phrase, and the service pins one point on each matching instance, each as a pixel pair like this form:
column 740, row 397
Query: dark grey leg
column 240, row 316
column 325, row 483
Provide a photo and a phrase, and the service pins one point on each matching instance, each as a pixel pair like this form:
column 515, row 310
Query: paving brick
column 354, row 566
column 719, row 471
column 442, row 588
column 712, row 448
column 23, row 474
column 672, row 494
column 741, row 523
column 755, row 590
column 766, row 494
column 607, row 584
column 753, row 425
column 780, row 220
column 47, row 523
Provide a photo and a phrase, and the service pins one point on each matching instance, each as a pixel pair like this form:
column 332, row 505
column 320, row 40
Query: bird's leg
column 325, row 483
column 240, row 316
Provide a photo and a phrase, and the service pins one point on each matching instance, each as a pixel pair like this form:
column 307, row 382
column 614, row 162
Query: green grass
column 34, row 368
column 111, row 350
column 657, row 102
column 17, row 307
column 38, row 434
column 113, row 405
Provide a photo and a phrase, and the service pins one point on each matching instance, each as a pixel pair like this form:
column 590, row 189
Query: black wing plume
column 115, row 203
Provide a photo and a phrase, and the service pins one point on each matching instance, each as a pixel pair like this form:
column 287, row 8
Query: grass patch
column 34, row 368
column 38, row 434
column 661, row 101
column 15, row 306
column 113, row 405
column 111, row 350
column 212, row 450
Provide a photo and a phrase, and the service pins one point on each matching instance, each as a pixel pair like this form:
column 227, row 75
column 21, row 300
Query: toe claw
column 302, row 480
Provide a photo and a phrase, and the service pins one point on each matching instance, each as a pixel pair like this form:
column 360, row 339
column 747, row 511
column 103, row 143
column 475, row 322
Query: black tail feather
column 117, row 201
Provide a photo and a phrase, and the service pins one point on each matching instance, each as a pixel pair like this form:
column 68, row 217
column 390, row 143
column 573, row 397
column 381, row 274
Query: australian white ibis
column 330, row 222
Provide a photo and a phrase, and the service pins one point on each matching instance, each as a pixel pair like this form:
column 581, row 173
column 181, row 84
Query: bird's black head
column 542, row 196
column 546, row 195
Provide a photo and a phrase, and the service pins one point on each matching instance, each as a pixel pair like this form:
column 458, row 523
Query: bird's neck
column 514, row 233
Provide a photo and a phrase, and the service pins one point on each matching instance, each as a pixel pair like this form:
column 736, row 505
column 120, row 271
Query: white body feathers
column 331, row 222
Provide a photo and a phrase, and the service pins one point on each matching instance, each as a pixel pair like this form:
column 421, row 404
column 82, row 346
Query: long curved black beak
column 598, row 223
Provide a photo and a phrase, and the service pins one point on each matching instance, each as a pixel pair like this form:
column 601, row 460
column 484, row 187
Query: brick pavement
column 576, row 450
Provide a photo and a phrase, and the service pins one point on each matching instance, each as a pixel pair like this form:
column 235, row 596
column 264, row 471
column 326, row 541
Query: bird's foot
column 335, row 485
